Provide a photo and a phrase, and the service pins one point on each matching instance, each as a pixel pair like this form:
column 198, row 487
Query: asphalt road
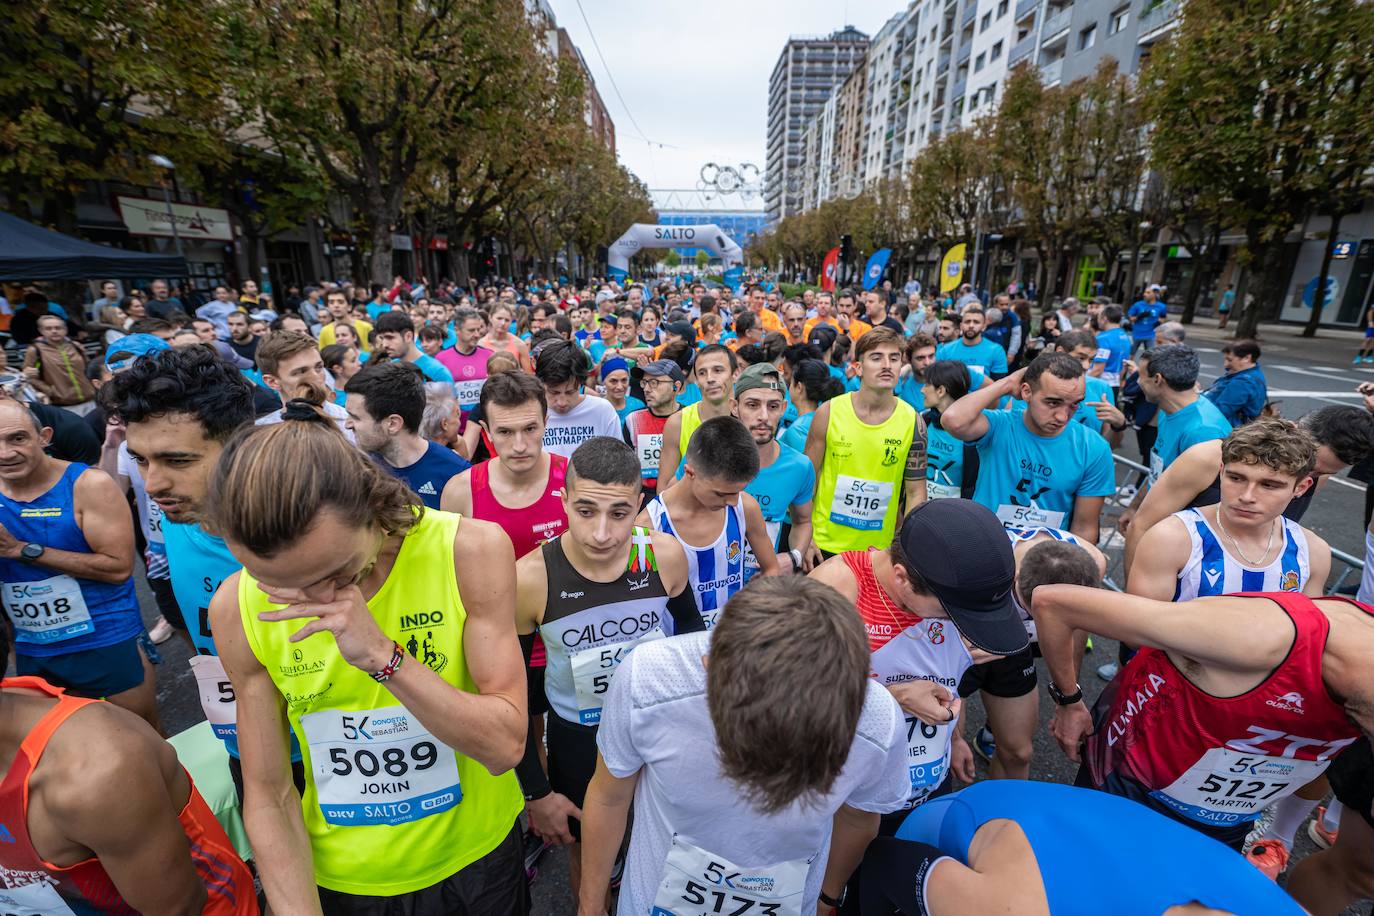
column 1298, row 383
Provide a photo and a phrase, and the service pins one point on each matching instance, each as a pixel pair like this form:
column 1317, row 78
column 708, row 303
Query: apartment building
column 806, row 72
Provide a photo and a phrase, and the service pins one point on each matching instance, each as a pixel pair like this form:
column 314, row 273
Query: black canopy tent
column 29, row 252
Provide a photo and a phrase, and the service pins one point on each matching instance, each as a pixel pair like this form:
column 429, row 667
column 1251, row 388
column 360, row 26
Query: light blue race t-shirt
column 1183, row 429
column 1113, row 348
column 985, row 356
column 1033, row 480
column 944, row 461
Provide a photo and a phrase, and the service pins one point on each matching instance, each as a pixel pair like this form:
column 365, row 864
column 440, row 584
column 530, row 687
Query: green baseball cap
column 760, row 375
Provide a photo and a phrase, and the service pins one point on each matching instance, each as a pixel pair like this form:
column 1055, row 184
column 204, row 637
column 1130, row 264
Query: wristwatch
column 1065, row 699
column 31, row 551
column 835, row 902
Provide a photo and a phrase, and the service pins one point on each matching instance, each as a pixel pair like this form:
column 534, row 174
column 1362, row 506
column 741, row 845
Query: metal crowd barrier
column 1130, row 472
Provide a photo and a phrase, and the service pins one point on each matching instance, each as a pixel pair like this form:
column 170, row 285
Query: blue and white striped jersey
column 1212, row 571
column 715, row 571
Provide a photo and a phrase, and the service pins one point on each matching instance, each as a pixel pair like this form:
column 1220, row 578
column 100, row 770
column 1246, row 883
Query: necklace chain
column 1236, row 544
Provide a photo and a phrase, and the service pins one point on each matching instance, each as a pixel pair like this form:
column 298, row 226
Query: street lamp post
column 163, row 162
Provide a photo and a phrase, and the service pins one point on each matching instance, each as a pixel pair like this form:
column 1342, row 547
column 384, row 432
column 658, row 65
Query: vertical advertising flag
column 873, row 271
column 828, row 268
column 952, row 268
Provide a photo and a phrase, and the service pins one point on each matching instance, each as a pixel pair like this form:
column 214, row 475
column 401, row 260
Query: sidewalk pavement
column 1331, row 346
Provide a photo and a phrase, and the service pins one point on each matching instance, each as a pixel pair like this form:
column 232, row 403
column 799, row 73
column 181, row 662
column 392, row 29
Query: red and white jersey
column 906, row 648
column 1219, row 761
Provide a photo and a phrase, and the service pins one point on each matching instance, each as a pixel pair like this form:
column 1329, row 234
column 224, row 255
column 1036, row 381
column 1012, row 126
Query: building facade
column 802, row 79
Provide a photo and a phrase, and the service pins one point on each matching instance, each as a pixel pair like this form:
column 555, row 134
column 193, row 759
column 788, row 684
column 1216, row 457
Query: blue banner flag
column 876, row 265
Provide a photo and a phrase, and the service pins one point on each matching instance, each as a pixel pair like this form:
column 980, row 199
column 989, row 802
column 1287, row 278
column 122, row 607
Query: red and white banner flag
column 828, row 268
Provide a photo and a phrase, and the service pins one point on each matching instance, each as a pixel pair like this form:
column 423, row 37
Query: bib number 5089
column 393, row 760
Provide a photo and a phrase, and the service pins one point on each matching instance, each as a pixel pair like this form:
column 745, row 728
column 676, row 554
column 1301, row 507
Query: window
column 996, row 51
column 985, row 22
column 1002, row 8
column 1088, row 37
column 979, row 62
column 1119, row 19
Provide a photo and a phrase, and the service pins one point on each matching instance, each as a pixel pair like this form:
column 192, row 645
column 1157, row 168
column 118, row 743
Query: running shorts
column 1351, row 776
column 95, row 673
column 1009, row 677
column 494, row 885
column 572, row 761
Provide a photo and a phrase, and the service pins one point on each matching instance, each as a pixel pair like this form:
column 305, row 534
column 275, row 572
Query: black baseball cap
column 964, row 557
column 682, row 329
column 660, row 367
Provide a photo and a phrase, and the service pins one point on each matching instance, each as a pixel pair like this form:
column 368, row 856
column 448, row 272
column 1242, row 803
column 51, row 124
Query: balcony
column 1052, row 72
column 1156, row 21
column 1021, row 50
column 965, row 51
column 943, row 67
column 960, row 83
column 1056, row 27
column 970, row 12
column 1024, row 8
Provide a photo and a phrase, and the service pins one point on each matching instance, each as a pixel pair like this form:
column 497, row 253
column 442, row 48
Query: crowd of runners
column 694, row 582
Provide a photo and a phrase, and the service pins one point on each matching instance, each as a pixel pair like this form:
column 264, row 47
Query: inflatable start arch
column 648, row 235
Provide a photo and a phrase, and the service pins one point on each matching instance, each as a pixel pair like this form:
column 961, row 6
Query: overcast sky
column 695, row 75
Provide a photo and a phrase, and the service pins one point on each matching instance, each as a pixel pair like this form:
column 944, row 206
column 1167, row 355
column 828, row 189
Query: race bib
column 379, row 766
column 216, row 695
column 927, row 756
column 1228, row 787
column 774, row 532
column 1156, row 467
column 1026, row 516
column 37, row 899
column 700, row 883
column 48, row 610
column 941, row 490
column 859, row 503
column 468, row 392
column 155, row 519
column 649, row 446
column 592, row 670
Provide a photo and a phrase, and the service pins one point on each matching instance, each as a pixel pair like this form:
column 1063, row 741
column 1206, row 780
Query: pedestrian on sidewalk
column 1366, row 352
column 1228, row 299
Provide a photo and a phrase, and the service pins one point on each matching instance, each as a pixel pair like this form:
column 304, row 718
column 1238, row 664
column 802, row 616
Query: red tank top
column 28, row 880
column 1218, row 761
column 529, row 526
column 883, row 619
column 646, row 438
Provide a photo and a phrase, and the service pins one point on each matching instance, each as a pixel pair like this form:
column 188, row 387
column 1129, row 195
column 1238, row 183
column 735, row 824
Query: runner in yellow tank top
column 869, row 449
column 404, row 709
column 715, row 369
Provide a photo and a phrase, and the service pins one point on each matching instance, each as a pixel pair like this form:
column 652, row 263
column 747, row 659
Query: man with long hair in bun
column 361, row 625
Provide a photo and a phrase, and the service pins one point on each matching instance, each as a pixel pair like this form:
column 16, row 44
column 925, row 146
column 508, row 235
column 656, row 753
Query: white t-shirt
column 149, row 516
column 337, row 413
column 564, row 432
column 655, row 722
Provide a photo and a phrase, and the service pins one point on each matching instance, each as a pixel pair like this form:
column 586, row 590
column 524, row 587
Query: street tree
column 1245, row 99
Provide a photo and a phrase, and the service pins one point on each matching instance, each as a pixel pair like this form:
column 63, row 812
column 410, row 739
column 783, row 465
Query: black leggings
column 894, row 877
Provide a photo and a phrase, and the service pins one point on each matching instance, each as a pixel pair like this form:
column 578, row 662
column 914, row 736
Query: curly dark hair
column 189, row 380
